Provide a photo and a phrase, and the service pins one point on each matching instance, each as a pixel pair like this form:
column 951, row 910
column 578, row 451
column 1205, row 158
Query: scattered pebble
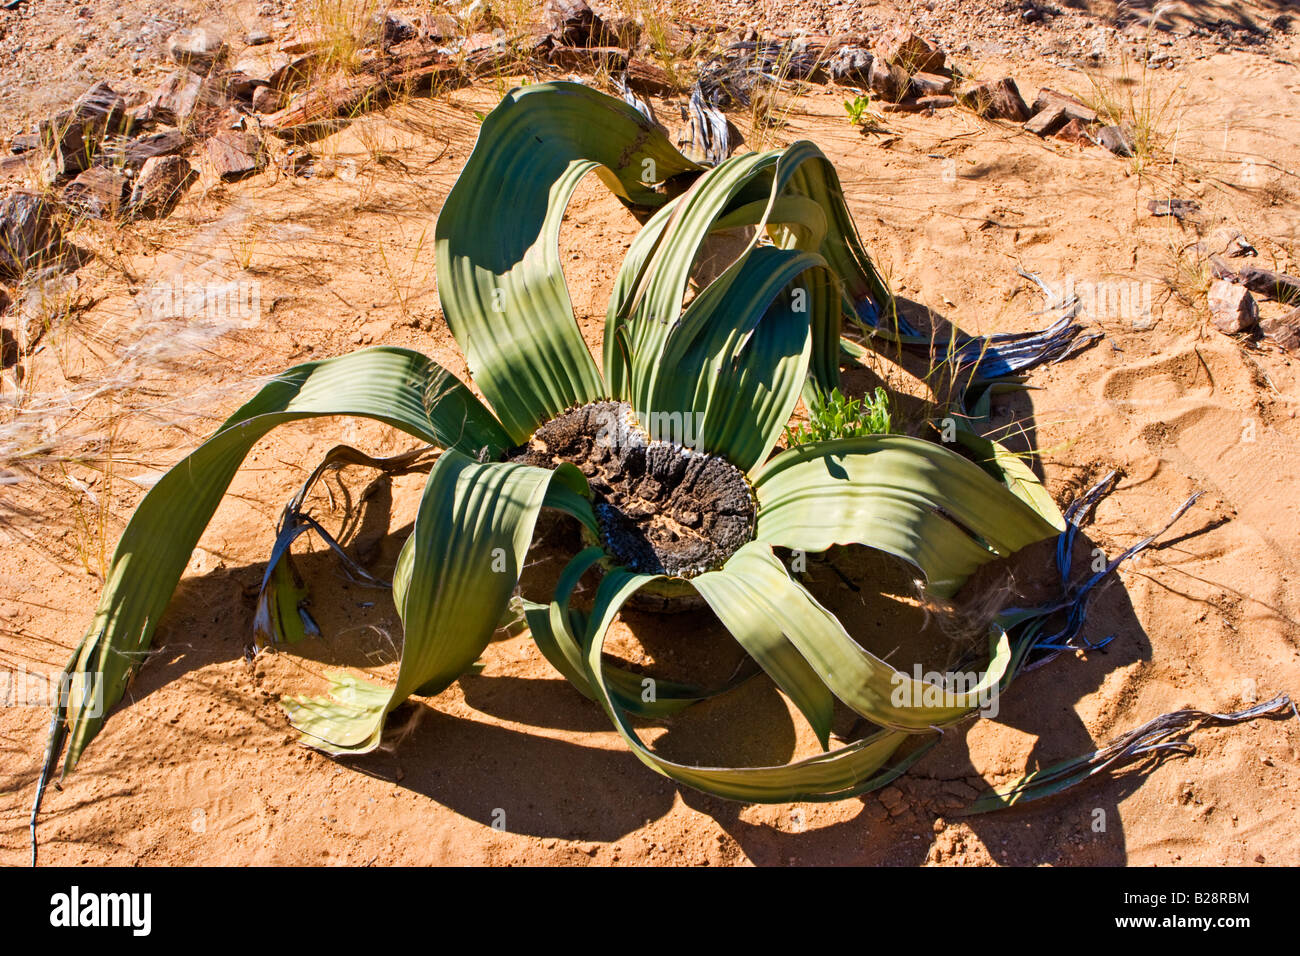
column 1232, row 307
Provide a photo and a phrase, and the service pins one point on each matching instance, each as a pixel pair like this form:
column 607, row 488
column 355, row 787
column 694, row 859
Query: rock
column 623, row 31
column 347, row 94
column 920, row 105
column 1048, row 121
column 930, row 84
column 199, row 49
column 375, row 330
column 851, row 66
column 888, row 81
column 24, row 143
column 144, row 116
column 1180, row 209
column 893, row 800
column 235, row 154
column 874, row 813
column 574, row 23
column 260, row 64
column 1116, row 139
column 162, row 181
column 163, row 143
column 649, row 79
column 267, row 99
column 257, row 37
column 1235, row 246
column 1232, row 307
column 97, row 193
column 67, row 150
column 324, row 167
column 240, row 86
column 395, row 28
column 903, row 48
column 178, row 97
column 300, row 162
column 1283, row 332
column 440, row 26
column 41, row 299
column 29, row 235
column 5, row 301
column 997, row 99
column 1075, row 132
column 283, row 71
column 297, row 45
column 1074, row 108
column 14, row 168
column 101, row 111
column 1272, row 285
column 482, row 43
column 932, row 103
column 71, row 138
column 589, row 59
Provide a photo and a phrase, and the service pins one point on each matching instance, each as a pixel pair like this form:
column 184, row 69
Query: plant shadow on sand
column 574, row 779
column 550, row 756
column 594, row 789
column 1040, row 704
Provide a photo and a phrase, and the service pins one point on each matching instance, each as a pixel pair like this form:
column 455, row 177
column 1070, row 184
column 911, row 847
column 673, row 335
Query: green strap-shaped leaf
column 793, row 198
column 552, row 624
column 868, row 685
column 758, row 622
column 652, row 282
column 622, row 322
column 499, row 276
column 453, row 582
column 798, row 222
column 842, row 773
column 1004, row 465
column 904, row 496
column 739, row 355
column 554, row 627
column 573, row 502
column 808, row 176
column 395, row 386
column 813, row 177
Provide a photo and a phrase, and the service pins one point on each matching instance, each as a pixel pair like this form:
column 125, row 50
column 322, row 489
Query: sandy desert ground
column 199, row 764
